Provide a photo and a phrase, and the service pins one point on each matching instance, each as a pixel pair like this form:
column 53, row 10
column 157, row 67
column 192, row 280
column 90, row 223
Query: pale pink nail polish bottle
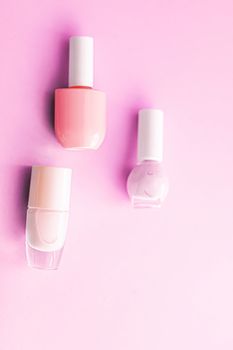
column 47, row 216
column 147, row 183
column 80, row 110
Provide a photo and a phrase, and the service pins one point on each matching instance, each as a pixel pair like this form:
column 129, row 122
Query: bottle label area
column 46, row 229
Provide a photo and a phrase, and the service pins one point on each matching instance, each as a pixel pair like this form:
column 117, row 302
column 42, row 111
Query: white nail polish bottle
column 47, row 216
column 147, row 183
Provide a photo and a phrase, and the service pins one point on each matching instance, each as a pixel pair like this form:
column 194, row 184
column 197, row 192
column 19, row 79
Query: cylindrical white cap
column 150, row 135
column 50, row 188
column 81, row 61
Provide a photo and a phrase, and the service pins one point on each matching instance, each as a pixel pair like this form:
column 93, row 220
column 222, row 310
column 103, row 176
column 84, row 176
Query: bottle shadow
column 59, row 80
column 131, row 149
column 130, row 156
column 22, row 193
column 16, row 188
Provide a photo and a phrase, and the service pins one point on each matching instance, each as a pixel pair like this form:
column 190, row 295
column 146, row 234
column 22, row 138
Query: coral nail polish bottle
column 47, row 216
column 147, row 183
column 80, row 110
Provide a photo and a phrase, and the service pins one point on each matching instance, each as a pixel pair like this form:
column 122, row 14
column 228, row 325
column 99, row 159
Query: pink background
column 129, row 280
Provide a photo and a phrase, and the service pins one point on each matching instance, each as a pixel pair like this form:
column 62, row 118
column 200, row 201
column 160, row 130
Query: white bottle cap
column 150, row 135
column 50, row 188
column 81, row 61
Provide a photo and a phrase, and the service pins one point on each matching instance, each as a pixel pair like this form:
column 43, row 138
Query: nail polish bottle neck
column 149, row 161
column 81, row 87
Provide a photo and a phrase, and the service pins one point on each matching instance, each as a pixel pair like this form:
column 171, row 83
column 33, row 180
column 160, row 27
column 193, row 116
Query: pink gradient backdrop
column 129, row 280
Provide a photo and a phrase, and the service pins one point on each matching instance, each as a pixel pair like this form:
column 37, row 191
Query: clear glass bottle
column 147, row 183
column 47, row 216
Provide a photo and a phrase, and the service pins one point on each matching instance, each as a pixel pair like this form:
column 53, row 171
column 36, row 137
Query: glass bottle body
column 45, row 237
column 147, row 184
column 80, row 117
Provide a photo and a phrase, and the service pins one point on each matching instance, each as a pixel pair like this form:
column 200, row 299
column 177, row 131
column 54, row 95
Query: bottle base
column 43, row 260
column 81, row 148
column 139, row 202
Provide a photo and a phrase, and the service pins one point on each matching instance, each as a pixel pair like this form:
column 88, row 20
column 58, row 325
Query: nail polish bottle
column 80, row 110
column 47, row 216
column 147, row 183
